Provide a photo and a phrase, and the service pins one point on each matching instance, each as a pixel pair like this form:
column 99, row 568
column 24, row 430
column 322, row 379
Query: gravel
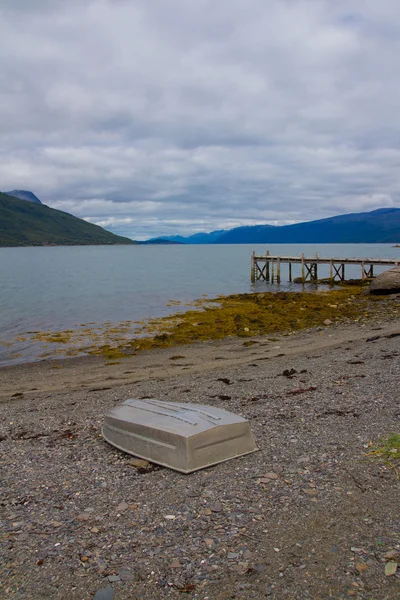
column 308, row 516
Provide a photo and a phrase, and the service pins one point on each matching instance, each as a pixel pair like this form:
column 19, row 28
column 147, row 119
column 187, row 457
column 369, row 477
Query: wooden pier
column 268, row 267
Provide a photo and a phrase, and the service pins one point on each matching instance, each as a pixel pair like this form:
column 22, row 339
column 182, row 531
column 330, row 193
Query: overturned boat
column 183, row 437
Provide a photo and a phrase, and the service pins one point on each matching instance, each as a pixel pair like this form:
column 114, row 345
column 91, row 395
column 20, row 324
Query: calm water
column 57, row 288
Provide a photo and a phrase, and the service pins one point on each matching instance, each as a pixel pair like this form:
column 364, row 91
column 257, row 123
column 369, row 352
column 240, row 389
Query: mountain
column 160, row 241
column 30, row 223
column 24, row 195
column 378, row 226
column 196, row 238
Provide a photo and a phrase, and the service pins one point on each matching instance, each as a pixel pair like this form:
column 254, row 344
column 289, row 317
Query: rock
column 327, row 322
column 104, row 594
column 260, row 567
column 391, row 555
column 232, row 555
column 138, row 463
column 170, row 517
column 361, row 567
column 241, row 568
column 217, row 507
column 386, row 283
column 122, row 507
column 175, row 564
column 311, row 492
column 83, row 517
column 113, row 578
column 303, row 459
column 270, row 476
column 125, row 575
column 390, row 568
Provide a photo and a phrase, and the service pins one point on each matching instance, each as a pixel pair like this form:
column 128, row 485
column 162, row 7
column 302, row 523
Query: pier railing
column 268, row 267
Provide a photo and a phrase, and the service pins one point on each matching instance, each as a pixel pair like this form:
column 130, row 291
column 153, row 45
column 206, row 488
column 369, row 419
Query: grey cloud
column 154, row 115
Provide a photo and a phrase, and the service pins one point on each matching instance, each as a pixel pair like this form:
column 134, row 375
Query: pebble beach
column 308, row 516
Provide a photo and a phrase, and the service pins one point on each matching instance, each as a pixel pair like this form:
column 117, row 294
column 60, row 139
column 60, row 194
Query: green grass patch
column 387, row 450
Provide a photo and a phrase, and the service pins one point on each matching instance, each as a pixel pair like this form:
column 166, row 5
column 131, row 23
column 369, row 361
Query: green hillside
column 28, row 224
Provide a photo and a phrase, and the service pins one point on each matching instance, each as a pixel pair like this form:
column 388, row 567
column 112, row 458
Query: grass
column 387, row 450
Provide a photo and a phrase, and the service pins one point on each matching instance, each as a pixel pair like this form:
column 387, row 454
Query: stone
column 217, row 507
column 83, row 517
column 113, row 578
column 391, row 555
column 241, row 568
column 260, row 567
column 122, row 507
column 104, row 594
column 270, row 476
column 125, row 575
column 175, row 564
column 311, row 492
column 386, row 283
column 232, row 555
column 138, row 463
column 361, row 567
column 327, row 322
column 390, row 568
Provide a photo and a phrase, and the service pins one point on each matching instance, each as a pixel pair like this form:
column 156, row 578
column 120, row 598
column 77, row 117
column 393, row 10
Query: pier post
column 362, row 270
column 278, row 270
column 290, row 271
column 272, row 270
column 302, row 268
column 331, row 271
column 253, row 268
column 267, row 260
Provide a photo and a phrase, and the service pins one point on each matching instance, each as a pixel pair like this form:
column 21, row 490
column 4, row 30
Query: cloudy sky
column 153, row 117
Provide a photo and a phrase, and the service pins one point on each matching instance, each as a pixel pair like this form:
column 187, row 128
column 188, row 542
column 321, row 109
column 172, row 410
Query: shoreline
column 244, row 315
column 219, row 324
column 74, row 373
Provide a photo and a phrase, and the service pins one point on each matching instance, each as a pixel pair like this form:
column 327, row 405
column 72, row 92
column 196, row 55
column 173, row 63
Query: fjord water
column 57, row 288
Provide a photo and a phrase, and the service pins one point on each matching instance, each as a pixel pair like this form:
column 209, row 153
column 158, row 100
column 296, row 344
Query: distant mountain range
column 196, row 238
column 27, row 222
column 378, row 226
